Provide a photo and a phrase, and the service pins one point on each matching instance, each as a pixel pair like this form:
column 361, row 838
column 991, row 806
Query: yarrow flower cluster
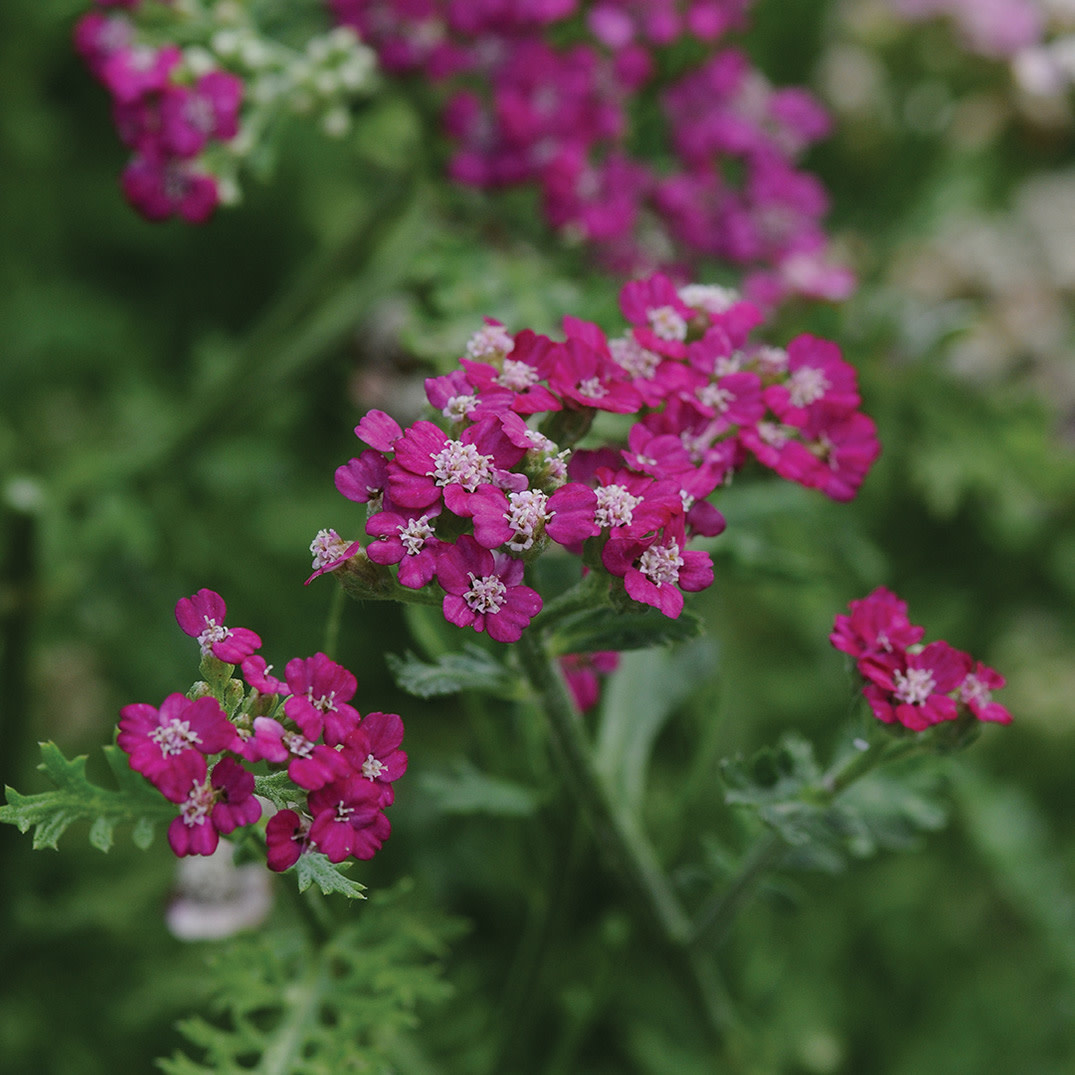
column 906, row 682
column 202, row 751
column 190, row 114
column 535, row 95
column 466, row 504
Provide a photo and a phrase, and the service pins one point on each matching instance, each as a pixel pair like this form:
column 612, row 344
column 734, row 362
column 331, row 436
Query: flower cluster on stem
column 202, row 751
column 462, row 505
column 534, row 94
column 195, row 87
column 907, row 683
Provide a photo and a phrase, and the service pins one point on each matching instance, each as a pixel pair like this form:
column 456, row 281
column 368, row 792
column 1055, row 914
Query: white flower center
column 807, row 385
column 526, row 512
column 592, row 388
column 174, row 737
column 461, row 464
column 973, row 690
column 372, row 768
column 486, row 595
column 667, row 323
column 615, row 506
column 516, row 375
column 631, row 356
column 415, row 534
column 297, row 744
column 213, row 632
column 326, row 547
column 709, row 298
column 489, row 342
column 712, row 395
column 199, row 804
column 914, row 686
column 458, row 407
column 661, row 563
column 324, row 703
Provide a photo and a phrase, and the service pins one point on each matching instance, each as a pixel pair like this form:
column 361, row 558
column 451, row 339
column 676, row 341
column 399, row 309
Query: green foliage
column 788, row 791
column 471, row 669
column 637, row 627
column 313, row 868
column 76, row 798
column 464, row 789
column 285, row 1006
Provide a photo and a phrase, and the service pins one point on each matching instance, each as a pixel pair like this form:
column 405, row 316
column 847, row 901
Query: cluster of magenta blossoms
column 907, row 683
column 202, row 750
column 163, row 112
column 514, row 463
column 551, row 93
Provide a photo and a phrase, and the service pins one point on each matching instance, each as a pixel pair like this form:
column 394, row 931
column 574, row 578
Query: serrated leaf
column 286, row 1005
column 76, row 798
column 464, row 789
column 313, row 868
column 605, row 629
column 473, row 669
column 278, row 788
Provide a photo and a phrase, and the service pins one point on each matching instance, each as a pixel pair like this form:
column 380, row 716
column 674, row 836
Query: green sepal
column 473, row 669
column 75, row 798
column 602, row 629
column 313, row 868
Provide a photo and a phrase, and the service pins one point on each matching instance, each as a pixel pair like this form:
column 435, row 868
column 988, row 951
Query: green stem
column 333, row 621
column 713, row 919
column 619, row 834
column 587, row 594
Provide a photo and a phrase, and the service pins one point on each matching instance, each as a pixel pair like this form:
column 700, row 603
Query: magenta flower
column 287, row 836
column 581, row 671
column 160, row 187
column 976, row 693
column 916, row 692
column 363, row 479
column 817, row 374
column 202, row 617
column 407, row 540
column 256, row 673
column 329, row 552
column 373, row 751
column 347, row 819
column 320, row 692
column 168, row 745
column 220, row 805
column 655, row 572
column 191, row 117
column 876, row 626
column 484, row 591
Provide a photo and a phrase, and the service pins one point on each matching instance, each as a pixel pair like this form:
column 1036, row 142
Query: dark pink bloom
column 329, row 552
column 363, row 479
column 287, row 836
column 373, row 751
column 168, row 745
column 191, row 117
column 348, row 819
column 817, row 374
column 407, row 540
column 160, row 187
column 916, row 692
column 484, row 591
column 320, row 692
column 265, row 742
column 877, row 625
column 256, row 673
column 202, row 617
column 130, row 73
column 582, row 375
column 976, row 693
column 581, row 671
column 219, row 805
column 657, row 568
